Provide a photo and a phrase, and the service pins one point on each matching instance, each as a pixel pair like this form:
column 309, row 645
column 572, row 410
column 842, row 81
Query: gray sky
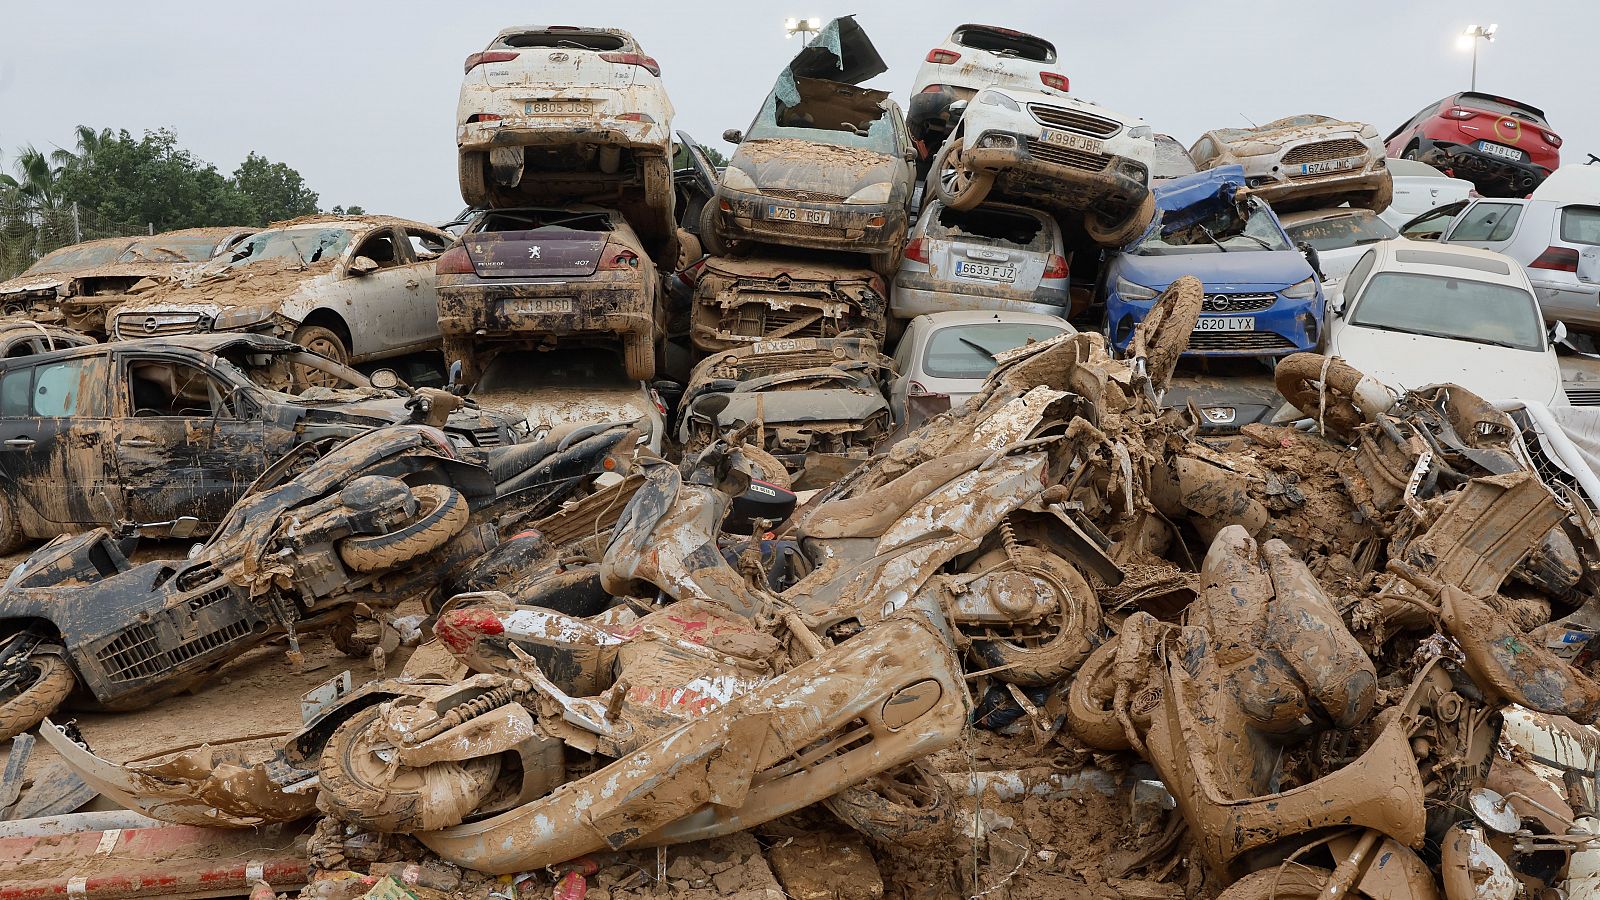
column 360, row 97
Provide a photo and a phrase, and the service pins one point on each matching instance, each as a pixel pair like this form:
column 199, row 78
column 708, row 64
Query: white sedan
column 1410, row 315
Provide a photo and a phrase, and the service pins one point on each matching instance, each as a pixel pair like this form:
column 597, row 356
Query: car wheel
column 887, row 264
column 1377, row 200
column 711, row 239
column 1118, row 233
column 474, row 184
column 639, row 354
column 323, row 341
column 11, row 534
column 953, row 184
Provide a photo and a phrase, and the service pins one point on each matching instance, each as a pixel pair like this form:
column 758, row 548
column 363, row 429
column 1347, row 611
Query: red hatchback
column 1504, row 147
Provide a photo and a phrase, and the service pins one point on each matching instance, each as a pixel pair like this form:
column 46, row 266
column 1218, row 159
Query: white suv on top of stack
column 970, row 59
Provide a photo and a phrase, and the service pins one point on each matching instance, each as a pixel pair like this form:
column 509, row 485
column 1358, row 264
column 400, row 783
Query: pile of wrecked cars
column 1352, row 655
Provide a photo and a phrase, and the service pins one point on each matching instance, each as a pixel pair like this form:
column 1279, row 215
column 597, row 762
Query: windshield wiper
column 980, row 348
column 1212, row 238
column 1264, row 244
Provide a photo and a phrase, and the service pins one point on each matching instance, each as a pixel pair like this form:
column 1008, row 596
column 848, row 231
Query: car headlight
column 877, row 192
column 1141, row 133
column 235, row 317
column 995, row 98
column 1301, row 290
column 1129, row 290
column 737, row 179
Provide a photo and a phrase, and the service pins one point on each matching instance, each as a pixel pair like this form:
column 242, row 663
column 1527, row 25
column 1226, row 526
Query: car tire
column 52, row 681
column 1168, row 327
column 1377, row 200
column 767, row 466
column 954, row 186
column 1122, row 232
column 442, row 513
column 911, row 806
column 11, row 534
column 712, row 239
column 470, row 166
column 1290, row 882
column 887, row 264
column 324, row 341
column 1321, row 388
column 639, row 357
column 1090, row 715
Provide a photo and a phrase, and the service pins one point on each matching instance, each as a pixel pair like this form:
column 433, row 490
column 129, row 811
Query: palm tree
column 89, row 143
column 34, row 218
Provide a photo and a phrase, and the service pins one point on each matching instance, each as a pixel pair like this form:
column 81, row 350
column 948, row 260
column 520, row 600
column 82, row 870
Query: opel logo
column 151, row 324
column 1218, row 302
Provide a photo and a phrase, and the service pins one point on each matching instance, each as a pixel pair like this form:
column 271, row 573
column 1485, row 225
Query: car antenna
column 1250, row 120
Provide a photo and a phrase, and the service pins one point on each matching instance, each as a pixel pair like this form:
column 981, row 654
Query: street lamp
column 1469, row 38
column 806, row 28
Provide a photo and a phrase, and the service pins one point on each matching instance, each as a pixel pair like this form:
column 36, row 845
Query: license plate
column 1072, row 141
column 1329, row 165
column 796, row 214
column 1226, row 323
column 990, row 271
column 556, row 108
column 545, row 305
column 1494, row 149
column 784, row 345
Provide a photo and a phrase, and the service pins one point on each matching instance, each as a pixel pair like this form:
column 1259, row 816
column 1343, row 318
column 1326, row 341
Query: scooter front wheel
column 911, row 806
column 1290, row 882
column 442, row 514
column 32, row 688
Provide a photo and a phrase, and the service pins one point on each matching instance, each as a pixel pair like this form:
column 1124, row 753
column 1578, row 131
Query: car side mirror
column 1589, row 265
column 1558, row 332
column 363, row 265
column 733, row 136
column 184, row 527
column 956, row 109
column 1313, row 258
column 911, row 154
column 1336, row 306
column 385, row 379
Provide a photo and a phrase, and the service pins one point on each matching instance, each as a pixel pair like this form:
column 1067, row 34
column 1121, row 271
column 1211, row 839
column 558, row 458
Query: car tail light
column 634, row 59
column 488, row 56
column 1552, row 139
column 941, row 57
column 1053, row 80
column 917, row 250
column 1561, row 259
column 917, row 390
column 483, row 117
column 1056, row 267
column 637, row 117
column 1456, row 112
column 621, row 258
column 455, row 261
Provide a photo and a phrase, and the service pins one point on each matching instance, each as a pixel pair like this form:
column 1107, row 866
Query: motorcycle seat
column 872, row 513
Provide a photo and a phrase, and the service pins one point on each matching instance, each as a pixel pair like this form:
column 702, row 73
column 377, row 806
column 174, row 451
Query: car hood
column 269, row 281
column 555, row 405
column 1266, row 270
column 1410, row 361
column 790, row 164
column 840, row 51
column 779, row 407
column 27, row 284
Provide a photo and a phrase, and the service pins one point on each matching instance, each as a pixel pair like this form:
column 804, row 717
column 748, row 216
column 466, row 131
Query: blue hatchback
column 1262, row 298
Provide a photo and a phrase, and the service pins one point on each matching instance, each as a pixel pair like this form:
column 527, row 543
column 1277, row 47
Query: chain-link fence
column 29, row 230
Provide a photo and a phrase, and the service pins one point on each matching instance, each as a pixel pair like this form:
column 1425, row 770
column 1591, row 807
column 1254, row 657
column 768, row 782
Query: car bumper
column 1027, row 166
column 1281, row 188
column 909, row 302
column 870, row 228
column 1467, row 161
column 525, row 131
column 605, row 303
column 1288, row 326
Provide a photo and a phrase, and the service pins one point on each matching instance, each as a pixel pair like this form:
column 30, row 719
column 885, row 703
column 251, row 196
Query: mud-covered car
column 739, row 302
column 40, row 287
column 811, row 396
column 1303, row 162
column 153, row 430
column 25, row 337
column 971, row 58
column 530, row 278
column 825, row 165
column 1505, row 147
column 1050, row 152
column 996, row 256
column 554, row 114
column 352, row 288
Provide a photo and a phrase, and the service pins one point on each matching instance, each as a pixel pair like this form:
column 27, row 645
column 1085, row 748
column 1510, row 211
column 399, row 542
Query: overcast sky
column 361, row 97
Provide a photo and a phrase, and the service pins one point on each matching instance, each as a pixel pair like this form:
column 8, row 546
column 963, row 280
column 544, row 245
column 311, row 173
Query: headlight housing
column 995, row 98
column 237, row 317
column 737, row 179
column 877, row 192
column 1301, row 290
column 1129, row 290
column 1141, row 132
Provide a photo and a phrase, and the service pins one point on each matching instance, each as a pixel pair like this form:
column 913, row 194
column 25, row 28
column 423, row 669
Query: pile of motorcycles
column 1353, row 652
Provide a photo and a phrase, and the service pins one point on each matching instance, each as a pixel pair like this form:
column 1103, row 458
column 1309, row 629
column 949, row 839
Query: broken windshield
column 1340, row 232
column 829, row 113
column 1218, row 233
column 308, row 245
column 170, row 249
column 74, row 258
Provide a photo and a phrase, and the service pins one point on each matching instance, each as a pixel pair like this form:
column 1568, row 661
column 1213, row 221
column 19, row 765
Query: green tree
column 89, row 143
column 350, row 211
column 35, row 216
column 273, row 190
column 152, row 184
column 715, row 156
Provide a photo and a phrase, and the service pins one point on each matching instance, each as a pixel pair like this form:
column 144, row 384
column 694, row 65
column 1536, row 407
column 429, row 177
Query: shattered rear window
column 1337, row 233
column 71, row 259
column 542, row 220
column 969, row 351
column 170, row 249
column 1022, row 46
column 993, row 225
column 1172, row 161
column 1501, row 108
column 308, row 245
column 574, row 40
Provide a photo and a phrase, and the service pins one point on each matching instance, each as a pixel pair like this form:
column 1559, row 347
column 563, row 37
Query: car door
column 1432, row 225
column 385, row 296
column 54, row 440
column 192, row 440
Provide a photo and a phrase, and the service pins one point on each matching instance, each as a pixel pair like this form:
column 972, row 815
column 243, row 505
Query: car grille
column 804, row 196
column 806, row 229
column 1264, row 341
column 138, row 325
column 1584, row 396
column 1321, row 151
column 758, row 320
column 1073, row 120
column 1064, row 156
column 1238, row 302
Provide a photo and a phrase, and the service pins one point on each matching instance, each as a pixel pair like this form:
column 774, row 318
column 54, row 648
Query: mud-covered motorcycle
column 375, row 521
